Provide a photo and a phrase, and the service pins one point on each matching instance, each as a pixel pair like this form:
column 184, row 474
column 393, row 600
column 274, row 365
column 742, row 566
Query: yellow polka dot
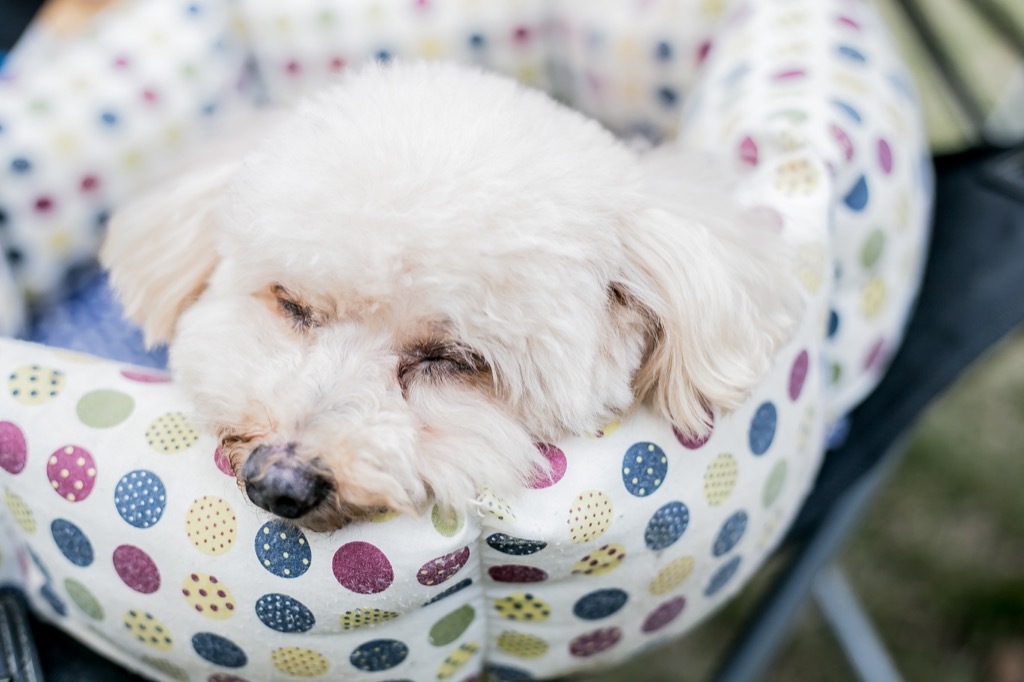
column 606, row 430
column 602, row 560
column 523, row 606
column 872, row 298
column 34, row 385
column 720, row 479
column 672, row 576
column 211, row 525
column 171, row 433
column 20, row 512
column 590, row 515
column 382, row 515
column 457, row 659
column 811, row 263
column 299, row 661
column 208, row 596
column 522, row 645
column 494, row 506
column 797, row 177
column 361, row 618
column 144, row 627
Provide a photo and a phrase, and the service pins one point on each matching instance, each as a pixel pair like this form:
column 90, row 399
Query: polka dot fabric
column 116, row 515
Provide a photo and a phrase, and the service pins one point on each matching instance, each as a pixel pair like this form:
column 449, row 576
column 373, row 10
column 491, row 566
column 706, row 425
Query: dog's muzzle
column 278, row 481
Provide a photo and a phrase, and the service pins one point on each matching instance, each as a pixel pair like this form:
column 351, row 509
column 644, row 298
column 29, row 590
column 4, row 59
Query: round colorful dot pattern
column 629, row 536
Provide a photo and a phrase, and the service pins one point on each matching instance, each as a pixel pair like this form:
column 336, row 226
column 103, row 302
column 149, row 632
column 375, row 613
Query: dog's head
column 424, row 271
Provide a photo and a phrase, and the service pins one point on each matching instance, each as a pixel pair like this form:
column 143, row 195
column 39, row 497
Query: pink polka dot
column 663, row 615
column 145, row 377
column 336, row 64
column 595, row 642
column 789, row 75
column 72, row 472
column 149, row 96
column 521, row 34
column 362, row 568
column 748, row 151
column 885, row 156
column 44, row 204
column 222, row 462
column 798, row 374
column 691, row 442
column 438, row 570
column 136, row 569
column 847, row 22
column 877, row 356
column 512, row 573
column 556, row 458
column 703, row 50
column 13, row 449
column 89, row 183
column 843, row 140
column 293, row 68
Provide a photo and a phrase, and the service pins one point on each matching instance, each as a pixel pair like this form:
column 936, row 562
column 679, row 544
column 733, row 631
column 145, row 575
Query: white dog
column 425, row 270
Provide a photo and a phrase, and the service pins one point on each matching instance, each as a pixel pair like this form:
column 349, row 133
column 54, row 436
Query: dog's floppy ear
column 720, row 292
column 160, row 248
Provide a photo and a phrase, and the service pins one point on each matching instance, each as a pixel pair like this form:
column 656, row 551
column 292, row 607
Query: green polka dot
column 167, row 668
column 451, row 627
column 835, row 373
column 872, row 249
column 104, row 408
column 773, row 486
column 83, row 599
column 447, row 522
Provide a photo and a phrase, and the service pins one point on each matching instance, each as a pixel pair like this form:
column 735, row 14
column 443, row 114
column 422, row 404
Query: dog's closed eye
column 440, row 360
column 300, row 315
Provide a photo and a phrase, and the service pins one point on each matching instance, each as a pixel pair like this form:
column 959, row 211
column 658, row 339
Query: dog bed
column 119, row 518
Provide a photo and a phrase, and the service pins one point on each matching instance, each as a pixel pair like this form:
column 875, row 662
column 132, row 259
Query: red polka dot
column 556, row 460
column 694, row 442
column 44, row 204
column 89, row 183
column 222, row 462
column 336, row 64
column 511, row 573
column 13, row 448
column 748, row 151
column 798, row 374
column 438, row 570
column 663, row 615
column 136, row 569
column 884, row 156
column 521, row 34
column 362, row 568
column 72, row 472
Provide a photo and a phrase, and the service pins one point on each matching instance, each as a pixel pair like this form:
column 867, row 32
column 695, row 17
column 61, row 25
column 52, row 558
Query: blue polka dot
column 193, row 10
column 282, row 549
column 851, row 53
column 379, row 654
column 733, row 78
column 477, row 41
column 847, row 109
column 762, row 428
column 56, row 603
column 284, row 614
column 644, row 467
column 384, row 56
column 600, row 604
column 833, row 323
column 857, row 198
column 109, row 118
column 20, row 165
column 731, row 533
column 722, row 576
column 140, row 498
column 506, row 544
column 668, row 97
column 506, row 673
column 72, row 542
column 218, row 650
column 461, row 585
column 663, row 51
column 667, row 525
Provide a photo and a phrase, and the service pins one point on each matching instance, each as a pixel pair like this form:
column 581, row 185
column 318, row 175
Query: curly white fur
column 477, row 268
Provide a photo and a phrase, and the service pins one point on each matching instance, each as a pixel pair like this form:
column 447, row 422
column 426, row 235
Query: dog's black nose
column 276, row 480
